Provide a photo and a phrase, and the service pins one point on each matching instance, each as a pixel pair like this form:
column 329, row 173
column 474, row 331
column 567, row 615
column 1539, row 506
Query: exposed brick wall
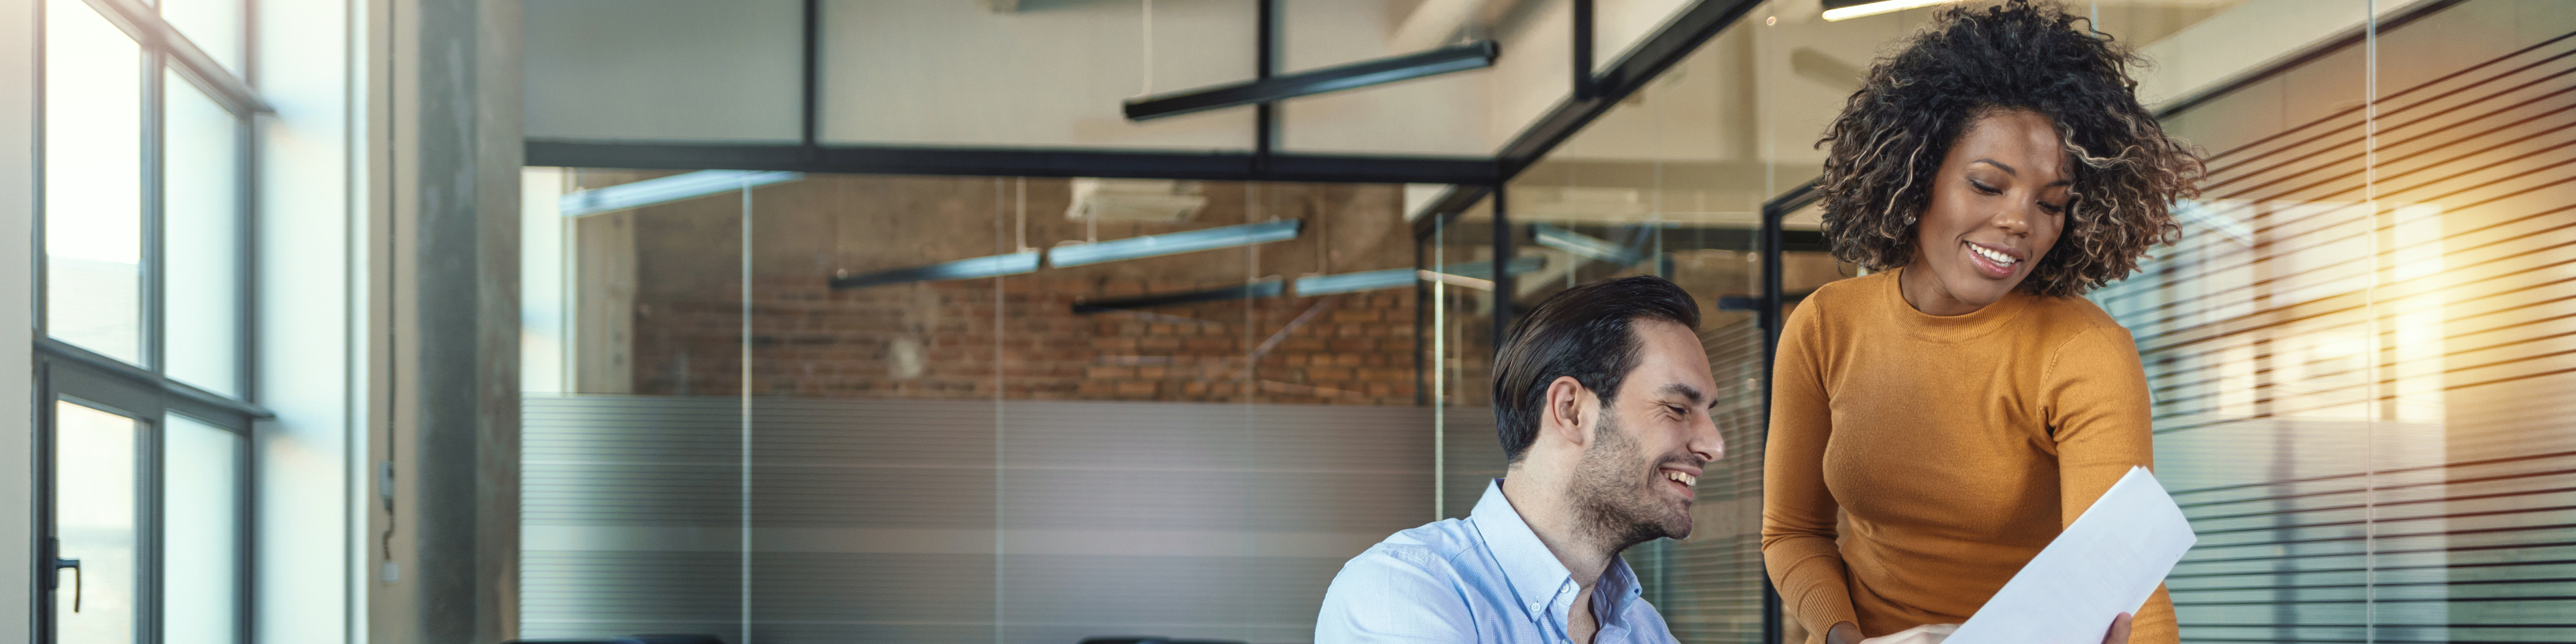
column 937, row 340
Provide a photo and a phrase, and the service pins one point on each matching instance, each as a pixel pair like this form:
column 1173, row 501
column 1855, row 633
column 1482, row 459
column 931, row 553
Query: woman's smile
column 1995, row 261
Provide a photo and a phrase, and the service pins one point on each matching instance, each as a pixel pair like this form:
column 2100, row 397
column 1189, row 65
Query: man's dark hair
column 1587, row 332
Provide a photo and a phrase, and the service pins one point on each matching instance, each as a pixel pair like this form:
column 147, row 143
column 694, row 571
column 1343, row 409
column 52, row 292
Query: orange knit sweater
column 1956, row 446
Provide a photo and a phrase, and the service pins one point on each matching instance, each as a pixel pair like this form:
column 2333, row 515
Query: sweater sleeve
column 2099, row 414
column 1798, row 534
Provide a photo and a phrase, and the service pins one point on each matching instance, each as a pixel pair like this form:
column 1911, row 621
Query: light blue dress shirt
column 1484, row 579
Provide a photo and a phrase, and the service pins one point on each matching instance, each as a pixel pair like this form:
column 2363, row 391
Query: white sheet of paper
column 2106, row 563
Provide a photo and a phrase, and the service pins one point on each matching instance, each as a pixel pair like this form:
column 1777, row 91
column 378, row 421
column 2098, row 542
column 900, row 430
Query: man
column 1601, row 398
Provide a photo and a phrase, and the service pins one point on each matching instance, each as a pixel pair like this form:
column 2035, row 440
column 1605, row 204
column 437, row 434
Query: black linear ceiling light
column 1080, row 254
column 994, row 266
column 1330, row 79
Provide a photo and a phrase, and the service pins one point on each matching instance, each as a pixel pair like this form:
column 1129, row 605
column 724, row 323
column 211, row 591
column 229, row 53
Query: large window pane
column 94, row 517
column 201, row 242
column 214, row 25
column 93, row 182
column 201, row 501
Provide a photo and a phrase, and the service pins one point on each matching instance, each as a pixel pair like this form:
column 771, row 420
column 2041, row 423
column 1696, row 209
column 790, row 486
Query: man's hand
column 2119, row 630
column 1848, row 633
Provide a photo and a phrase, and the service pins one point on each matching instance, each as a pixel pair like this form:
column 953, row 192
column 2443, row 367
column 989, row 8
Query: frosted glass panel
column 213, row 25
column 94, row 517
column 201, row 553
column 93, row 182
column 201, row 179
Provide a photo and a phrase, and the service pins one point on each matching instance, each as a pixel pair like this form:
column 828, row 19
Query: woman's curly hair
column 2020, row 55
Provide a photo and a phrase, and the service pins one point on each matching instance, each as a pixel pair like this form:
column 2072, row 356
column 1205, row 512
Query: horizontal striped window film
column 2363, row 350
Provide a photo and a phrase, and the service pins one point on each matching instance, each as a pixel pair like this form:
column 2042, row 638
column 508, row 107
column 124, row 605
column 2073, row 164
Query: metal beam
column 1265, row 117
column 1658, row 52
column 1694, row 26
column 1771, row 245
column 1584, row 83
column 1013, row 162
column 1503, row 290
column 1330, row 79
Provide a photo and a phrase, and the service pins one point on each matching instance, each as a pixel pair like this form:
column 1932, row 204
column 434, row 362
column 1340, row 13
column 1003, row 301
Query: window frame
column 65, row 372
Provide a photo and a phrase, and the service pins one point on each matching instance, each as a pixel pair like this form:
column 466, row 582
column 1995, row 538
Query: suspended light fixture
column 1849, row 9
column 666, row 189
column 1582, row 245
column 994, row 266
column 1174, row 243
column 1314, row 285
column 1265, row 288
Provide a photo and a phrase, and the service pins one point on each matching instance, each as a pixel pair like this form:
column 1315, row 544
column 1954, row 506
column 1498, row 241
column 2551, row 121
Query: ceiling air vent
column 1137, row 200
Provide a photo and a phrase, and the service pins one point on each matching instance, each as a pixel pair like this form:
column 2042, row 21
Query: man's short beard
column 1614, row 499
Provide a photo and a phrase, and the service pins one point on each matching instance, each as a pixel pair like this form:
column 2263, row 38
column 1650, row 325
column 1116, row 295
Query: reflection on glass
column 2360, row 396
column 94, row 519
column 201, row 554
column 93, row 182
column 1460, row 256
column 201, row 239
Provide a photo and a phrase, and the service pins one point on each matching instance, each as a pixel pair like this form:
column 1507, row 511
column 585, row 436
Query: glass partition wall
column 1003, row 409
column 967, row 408
column 2354, row 348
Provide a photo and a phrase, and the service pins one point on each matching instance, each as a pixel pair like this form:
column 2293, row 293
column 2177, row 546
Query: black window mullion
column 246, row 260
column 149, row 527
column 246, row 530
column 153, row 254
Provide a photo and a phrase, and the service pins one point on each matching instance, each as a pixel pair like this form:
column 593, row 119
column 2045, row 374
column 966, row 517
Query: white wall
column 17, row 312
column 308, row 323
column 2250, row 36
column 952, row 72
column 542, row 313
column 666, row 69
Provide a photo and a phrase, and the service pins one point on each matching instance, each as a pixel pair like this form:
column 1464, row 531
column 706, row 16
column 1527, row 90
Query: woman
column 1961, row 404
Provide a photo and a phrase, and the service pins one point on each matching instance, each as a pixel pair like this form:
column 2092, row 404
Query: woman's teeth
column 1999, row 259
column 1685, row 479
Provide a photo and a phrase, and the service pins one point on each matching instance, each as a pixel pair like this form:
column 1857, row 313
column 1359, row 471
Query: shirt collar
column 1533, row 571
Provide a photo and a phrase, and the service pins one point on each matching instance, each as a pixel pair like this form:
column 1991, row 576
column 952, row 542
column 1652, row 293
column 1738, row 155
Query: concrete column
column 452, row 109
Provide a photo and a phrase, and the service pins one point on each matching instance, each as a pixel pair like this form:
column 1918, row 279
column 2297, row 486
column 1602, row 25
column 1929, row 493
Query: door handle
column 74, row 564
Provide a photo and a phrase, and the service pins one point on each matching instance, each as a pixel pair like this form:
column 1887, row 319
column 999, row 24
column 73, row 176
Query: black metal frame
column 1262, row 162
column 144, row 392
column 1594, row 94
column 1014, row 162
column 1268, row 88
